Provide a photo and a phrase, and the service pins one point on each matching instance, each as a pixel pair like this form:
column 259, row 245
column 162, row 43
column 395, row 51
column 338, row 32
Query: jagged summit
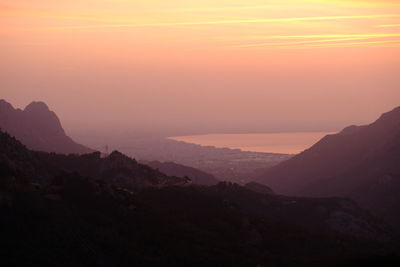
column 38, row 128
column 41, row 117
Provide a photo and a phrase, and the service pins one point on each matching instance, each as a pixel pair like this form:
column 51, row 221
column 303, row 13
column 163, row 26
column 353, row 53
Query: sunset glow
column 213, row 20
column 241, row 51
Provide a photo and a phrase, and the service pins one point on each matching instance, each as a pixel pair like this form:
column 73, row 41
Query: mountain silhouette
column 361, row 162
column 38, row 128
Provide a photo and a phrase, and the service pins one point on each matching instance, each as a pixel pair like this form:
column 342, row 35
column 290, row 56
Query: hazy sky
column 206, row 66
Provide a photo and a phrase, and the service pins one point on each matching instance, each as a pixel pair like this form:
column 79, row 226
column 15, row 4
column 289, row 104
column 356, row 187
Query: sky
column 187, row 67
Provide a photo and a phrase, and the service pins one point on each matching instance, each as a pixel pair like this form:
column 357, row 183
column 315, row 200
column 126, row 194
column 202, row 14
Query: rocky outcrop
column 38, row 128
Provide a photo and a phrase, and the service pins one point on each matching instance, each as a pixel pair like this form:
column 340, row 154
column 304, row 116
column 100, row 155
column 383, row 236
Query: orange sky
column 203, row 65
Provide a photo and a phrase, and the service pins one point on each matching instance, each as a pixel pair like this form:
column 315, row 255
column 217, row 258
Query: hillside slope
column 361, row 162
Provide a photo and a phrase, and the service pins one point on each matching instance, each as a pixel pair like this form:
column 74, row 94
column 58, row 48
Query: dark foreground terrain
column 91, row 211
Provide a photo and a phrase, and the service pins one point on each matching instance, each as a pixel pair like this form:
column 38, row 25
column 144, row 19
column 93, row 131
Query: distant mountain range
column 38, row 128
column 360, row 162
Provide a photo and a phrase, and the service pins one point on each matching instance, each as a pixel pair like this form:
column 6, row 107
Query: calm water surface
column 290, row 143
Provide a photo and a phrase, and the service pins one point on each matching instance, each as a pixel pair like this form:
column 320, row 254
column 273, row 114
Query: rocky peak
column 37, row 106
column 38, row 128
column 43, row 120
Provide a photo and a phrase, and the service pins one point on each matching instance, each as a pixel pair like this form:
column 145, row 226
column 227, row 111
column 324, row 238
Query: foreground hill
column 38, row 128
column 196, row 176
column 361, row 162
column 85, row 210
column 21, row 164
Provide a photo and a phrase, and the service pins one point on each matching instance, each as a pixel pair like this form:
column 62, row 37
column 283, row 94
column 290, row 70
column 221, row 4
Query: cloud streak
column 319, row 36
column 222, row 22
column 388, row 25
column 295, row 43
column 320, row 43
column 296, row 40
column 395, row 43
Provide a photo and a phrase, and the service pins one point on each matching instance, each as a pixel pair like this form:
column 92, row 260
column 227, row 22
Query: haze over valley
column 286, row 143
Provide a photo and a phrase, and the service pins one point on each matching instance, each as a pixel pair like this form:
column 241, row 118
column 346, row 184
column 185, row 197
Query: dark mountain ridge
column 38, row 128
column 117, row 169
column 360, row 162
